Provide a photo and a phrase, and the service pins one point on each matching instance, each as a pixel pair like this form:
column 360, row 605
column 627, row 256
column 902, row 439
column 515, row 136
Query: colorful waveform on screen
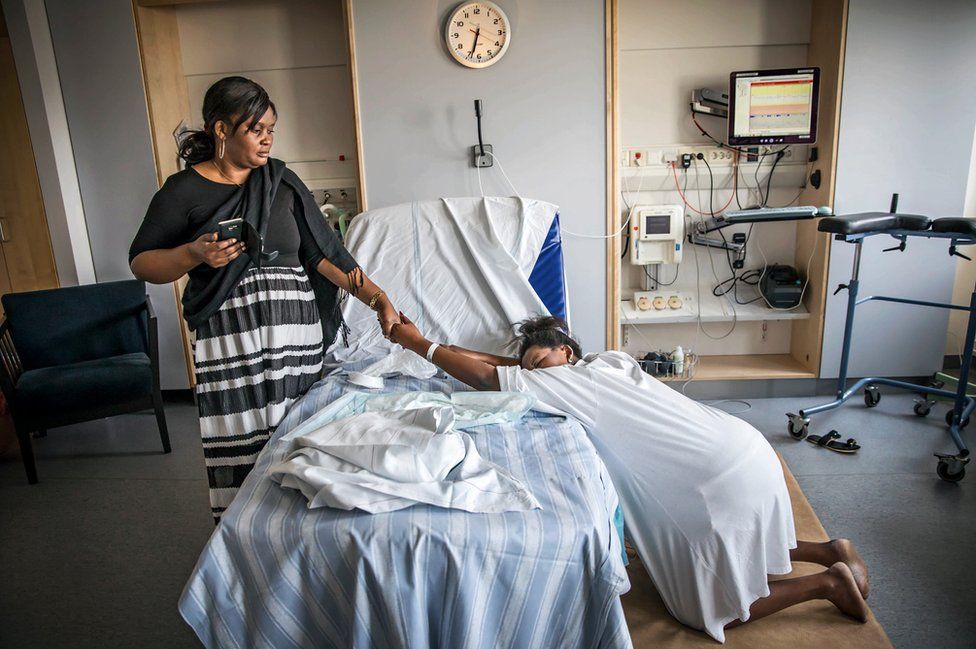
column 781, row 107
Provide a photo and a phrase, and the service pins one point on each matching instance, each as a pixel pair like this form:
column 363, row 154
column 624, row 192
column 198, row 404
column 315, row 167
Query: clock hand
column 476, row 35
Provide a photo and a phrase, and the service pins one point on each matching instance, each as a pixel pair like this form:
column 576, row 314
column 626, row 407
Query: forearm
column 163, row 265
column 470, row 371
column 355, row 282
column 485, row 357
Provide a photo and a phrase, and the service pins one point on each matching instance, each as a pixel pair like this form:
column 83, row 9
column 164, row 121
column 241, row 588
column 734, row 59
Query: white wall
column 544, row 115
column 906, row 126
column 667, row 49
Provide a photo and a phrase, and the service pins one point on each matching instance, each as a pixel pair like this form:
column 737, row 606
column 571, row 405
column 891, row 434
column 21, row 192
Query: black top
column 187, row 200
column 189, row 206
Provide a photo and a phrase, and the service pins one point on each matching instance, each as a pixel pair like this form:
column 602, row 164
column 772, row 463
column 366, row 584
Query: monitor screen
column 657, row 224
column 773, row 106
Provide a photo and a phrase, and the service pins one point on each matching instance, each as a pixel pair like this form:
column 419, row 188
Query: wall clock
column 477, row 34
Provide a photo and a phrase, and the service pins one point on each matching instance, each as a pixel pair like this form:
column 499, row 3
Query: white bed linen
column 458, row 267
column 387, row 460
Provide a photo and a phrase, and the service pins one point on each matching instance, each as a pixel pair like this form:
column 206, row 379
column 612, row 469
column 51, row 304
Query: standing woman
column 260, row 330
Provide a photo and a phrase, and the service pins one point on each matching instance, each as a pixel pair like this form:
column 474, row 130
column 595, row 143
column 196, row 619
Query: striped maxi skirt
column 259, row 353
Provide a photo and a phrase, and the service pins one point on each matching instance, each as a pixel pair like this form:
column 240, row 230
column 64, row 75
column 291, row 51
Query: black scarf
column 252, row 202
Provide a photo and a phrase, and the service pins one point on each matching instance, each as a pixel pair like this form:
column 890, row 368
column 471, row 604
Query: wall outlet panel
column 479, row 160
column 664, row 155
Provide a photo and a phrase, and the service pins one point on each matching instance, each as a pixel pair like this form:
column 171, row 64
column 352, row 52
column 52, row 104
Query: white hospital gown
column 703, row 493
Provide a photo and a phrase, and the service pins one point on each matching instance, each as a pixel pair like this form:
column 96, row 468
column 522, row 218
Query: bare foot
column 844, row 593
column 844, row 551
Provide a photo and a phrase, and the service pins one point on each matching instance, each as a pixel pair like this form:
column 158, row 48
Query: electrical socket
column 625, row 336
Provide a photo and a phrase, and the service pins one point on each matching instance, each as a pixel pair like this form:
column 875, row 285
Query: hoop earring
column 220, row 151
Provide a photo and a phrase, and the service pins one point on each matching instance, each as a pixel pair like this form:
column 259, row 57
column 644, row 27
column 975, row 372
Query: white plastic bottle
column 678, row 358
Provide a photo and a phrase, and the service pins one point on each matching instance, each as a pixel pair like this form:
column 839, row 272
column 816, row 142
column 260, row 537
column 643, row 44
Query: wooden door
column 26, row 258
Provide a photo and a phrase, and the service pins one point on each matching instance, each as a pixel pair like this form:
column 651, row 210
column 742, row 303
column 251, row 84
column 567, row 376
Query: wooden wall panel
column 828, row 35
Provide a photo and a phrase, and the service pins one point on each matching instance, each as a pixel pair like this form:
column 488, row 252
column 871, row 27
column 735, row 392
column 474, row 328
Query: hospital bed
column 276, row 574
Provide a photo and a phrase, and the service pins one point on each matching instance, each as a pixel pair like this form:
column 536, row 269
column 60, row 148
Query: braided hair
column 545, row 331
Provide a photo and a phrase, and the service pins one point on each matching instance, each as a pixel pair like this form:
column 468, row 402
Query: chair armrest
column 10, row 365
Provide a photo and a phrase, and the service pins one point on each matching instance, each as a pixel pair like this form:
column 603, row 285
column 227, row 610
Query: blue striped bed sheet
column 276, row 574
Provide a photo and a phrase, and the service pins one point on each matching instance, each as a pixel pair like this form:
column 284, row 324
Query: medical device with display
column 656, row 234
column 773, row 106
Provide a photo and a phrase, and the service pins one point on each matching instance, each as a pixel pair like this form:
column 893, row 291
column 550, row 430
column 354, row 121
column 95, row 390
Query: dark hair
column 232, row 100
column 545, row 331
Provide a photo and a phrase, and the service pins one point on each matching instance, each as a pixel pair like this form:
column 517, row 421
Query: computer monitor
column 773, row 106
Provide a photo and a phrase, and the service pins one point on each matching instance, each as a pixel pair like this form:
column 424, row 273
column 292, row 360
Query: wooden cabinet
column 798, row 352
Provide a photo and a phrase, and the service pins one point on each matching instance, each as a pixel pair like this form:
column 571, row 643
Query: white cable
column 501, row 168
column 562, row 230
column 715, row 404
column 711, row 261
column 806, row 283
column 632, row 324
column 626, row 189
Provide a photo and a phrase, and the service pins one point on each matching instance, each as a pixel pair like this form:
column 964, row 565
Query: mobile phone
column 230, row 229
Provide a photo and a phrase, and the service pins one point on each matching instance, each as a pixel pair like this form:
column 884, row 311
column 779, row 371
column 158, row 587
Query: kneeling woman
column 702, row 491
column 259, row 329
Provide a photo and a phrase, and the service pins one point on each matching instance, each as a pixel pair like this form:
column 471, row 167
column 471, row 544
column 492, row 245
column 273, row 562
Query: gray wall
column 907, row 119
column 544, row 115
column 101, row 81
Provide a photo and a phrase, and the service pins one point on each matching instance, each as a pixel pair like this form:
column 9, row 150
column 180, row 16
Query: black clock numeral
column 460, row 46
column 467, row 15
column 501, row 31
column 495, row 21
column 455, row 35
column 497, row 44
column 460, row 23
column 477, row 11
column 479, row 57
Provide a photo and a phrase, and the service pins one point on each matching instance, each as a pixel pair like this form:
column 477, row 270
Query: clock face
column 477, row 34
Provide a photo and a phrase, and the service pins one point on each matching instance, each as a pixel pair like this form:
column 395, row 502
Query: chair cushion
column 955, row 225
column 872, row 222
column 69, row 390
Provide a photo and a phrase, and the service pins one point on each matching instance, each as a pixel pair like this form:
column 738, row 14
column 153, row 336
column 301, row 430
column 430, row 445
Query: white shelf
column 713, row 310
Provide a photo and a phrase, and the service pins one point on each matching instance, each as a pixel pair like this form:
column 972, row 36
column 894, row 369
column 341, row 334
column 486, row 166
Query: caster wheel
column 922, row 409
column 948, row 419
column 947, row 474
column 797, row 427
column 872, row 396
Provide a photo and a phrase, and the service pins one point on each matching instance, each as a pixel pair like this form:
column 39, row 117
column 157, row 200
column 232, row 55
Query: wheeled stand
column 854, row 229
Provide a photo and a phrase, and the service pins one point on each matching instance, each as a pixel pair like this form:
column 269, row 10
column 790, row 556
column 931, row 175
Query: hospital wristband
column 430, row 351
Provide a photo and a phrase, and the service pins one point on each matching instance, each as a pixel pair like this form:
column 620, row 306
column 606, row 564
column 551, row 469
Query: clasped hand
column 405, row 332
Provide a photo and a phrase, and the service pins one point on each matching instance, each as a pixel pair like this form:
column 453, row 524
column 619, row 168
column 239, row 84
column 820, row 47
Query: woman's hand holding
column 208, row 250
column 406, row 334
column 387, row 316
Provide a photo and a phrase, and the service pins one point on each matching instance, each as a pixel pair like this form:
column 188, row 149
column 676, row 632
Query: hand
column 387, row 317
column 208, row 250
column 405, row 333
